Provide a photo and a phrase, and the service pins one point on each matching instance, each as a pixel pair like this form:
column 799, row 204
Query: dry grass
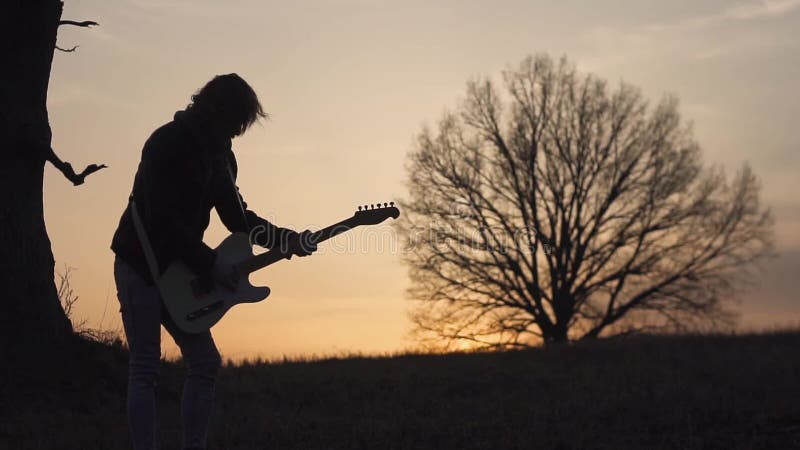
column 681, row 392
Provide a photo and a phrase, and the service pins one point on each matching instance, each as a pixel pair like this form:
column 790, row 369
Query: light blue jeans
column 142, row 317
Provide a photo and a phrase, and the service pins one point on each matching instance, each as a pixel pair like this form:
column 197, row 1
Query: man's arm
column 233, row 211
column 238, row 218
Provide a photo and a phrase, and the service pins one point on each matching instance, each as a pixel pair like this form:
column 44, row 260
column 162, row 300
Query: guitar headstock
column 375, row 213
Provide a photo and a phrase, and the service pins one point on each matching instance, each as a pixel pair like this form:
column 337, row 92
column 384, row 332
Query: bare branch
column 66, row 168
column 84, row 24
column 67, row 50
column 42, row 151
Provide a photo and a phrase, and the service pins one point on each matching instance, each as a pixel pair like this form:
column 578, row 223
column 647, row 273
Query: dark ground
column 725, row 392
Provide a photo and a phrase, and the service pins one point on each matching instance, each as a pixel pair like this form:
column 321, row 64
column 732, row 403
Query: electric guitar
column 195, row 307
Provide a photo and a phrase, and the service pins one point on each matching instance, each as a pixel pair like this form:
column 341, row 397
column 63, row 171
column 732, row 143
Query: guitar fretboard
column 276, row 254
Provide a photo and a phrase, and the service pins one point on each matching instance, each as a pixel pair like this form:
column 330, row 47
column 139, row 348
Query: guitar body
column 196, row 310
column 196, row 307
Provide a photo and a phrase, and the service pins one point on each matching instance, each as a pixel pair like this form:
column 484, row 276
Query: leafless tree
column 32, row 314
column 550, row 207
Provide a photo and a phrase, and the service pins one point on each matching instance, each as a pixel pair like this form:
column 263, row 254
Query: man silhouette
column 187, row 167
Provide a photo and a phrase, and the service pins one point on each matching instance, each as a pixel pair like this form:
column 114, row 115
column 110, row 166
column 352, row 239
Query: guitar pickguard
column 194, row 311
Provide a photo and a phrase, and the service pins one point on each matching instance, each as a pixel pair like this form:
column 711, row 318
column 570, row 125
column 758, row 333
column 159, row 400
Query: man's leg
column 203, row 362
column 141, row 317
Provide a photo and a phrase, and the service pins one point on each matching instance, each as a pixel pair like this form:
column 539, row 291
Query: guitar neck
column 276, row 254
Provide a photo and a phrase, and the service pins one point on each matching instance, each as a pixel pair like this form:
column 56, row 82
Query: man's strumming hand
column 225, row 274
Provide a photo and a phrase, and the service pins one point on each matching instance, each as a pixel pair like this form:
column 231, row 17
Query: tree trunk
column 556, row 335
column 31, row 312
column 562, row 308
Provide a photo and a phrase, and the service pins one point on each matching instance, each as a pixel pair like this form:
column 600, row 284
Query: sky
column 348, row 84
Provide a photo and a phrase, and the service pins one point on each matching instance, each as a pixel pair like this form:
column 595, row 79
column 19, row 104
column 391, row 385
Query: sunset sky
column 348, row 84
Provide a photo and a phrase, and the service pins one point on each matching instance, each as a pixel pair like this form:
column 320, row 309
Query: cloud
column 756, row 10
column 681, row 38
column 739, row 12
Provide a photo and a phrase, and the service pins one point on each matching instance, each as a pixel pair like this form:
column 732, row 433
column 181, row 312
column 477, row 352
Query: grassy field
column 686, row 392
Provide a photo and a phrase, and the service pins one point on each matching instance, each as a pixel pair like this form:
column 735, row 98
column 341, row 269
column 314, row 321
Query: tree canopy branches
column 638, row 233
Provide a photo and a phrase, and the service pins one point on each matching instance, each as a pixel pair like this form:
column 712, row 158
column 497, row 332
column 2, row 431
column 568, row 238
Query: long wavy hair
column 230, row 99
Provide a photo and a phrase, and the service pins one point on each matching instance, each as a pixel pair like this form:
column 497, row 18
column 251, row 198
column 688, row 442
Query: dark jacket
column 185, row 171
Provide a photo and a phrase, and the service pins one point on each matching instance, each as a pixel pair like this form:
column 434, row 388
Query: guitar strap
column 150, row 257
column 152, row 263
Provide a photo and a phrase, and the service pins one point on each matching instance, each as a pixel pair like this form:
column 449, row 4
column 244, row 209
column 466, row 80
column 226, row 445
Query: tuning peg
column 359, row 207
column 366, row 207
column 385, row 204
column 372, row 206
column 391, row 203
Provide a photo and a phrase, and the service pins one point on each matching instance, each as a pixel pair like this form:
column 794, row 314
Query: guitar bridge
column 204, row 310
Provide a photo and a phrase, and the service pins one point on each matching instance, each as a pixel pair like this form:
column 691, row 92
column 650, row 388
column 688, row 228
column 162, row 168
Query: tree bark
column 32, row 315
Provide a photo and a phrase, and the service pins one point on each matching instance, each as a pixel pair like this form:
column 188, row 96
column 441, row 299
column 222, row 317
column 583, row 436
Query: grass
column 668, row 392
